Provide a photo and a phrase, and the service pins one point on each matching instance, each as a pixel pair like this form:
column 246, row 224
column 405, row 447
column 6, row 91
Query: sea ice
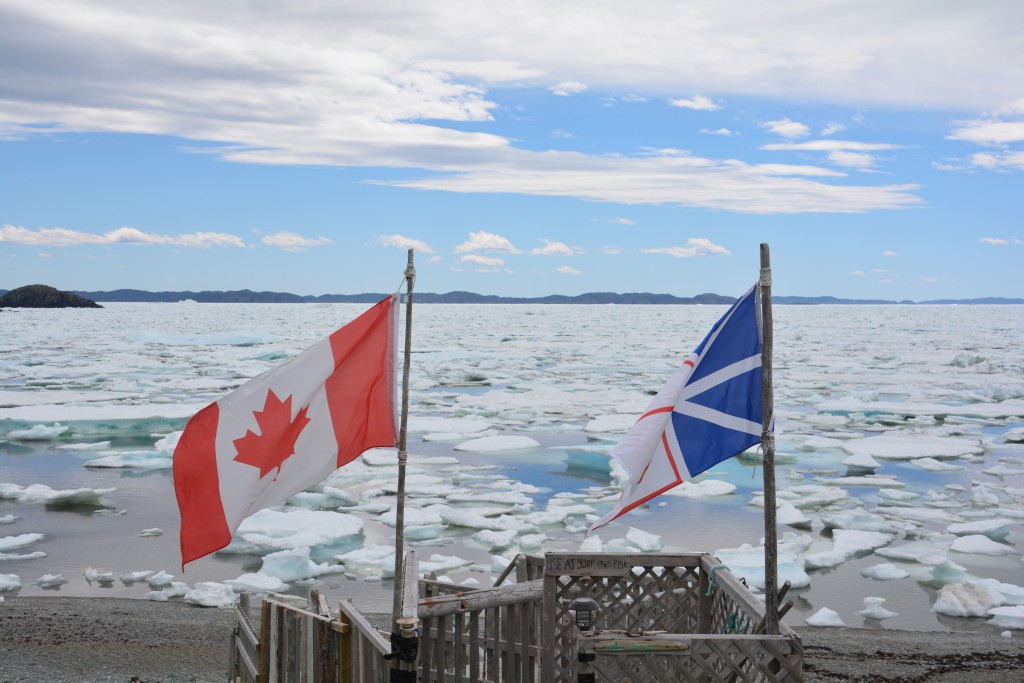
column 160, row 580
column 787, row 513
column 708, row 488
column 611, row 424
column 22, row 556
column 1014, row 435
column 978, row 544
column 873, row 609
column 933, row 465
column 966, row 599
column 824, row 617
column 44, row 495
column 495, row 540
column 1007, row 617
column 9, row 582
column 151, row 532
column 270, row 530
column 867, row 481
column 884, row 572
column 646, row 542
column 136, row 577
column 377, row 560
column 996, row 529
column 861, row 462
column 51, row 581
column 462, row 425
column 292, row 564
column 858, row 520
column 95, row 446
column 911, row 446
column 805, row 497
column 19, row 541
column 257, row 583
column 211, row 594
column 8, row 519
column 37, row 433
column 747, row 561
column 497, row 444
column 533, row 542
column 846, row 544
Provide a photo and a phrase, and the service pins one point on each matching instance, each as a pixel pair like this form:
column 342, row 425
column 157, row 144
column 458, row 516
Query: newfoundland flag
column 707, row 412
column 285, row 430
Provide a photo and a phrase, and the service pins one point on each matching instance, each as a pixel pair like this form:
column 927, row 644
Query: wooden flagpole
column 403, row 455
column 771, row 579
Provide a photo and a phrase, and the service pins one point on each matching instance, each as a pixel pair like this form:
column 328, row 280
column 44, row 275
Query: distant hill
column 43, row 296
column 246, row 296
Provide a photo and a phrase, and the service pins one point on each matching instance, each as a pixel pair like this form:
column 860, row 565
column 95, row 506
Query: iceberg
column 966, row 599
column 873, row 609
column 825, row 617
column 211, row 594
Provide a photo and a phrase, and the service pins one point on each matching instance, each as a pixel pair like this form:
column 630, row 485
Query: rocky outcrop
column 43, row 296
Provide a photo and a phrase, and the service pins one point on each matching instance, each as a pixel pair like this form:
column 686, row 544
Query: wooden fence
column 662, row 618
column 297, row 645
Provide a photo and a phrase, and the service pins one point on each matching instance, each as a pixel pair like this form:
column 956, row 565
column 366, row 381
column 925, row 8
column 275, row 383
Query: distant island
column 43, row 296
column 246, row 296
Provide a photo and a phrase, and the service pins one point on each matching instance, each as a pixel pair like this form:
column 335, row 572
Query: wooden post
column 403, row 455
column 771, row 579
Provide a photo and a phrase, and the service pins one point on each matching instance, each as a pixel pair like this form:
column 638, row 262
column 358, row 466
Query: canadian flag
column 287, row 429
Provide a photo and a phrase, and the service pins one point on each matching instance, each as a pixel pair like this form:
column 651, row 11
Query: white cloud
column 889, row 253
column 562, row 134
column 857, row 273
column 486, row 241
column 997, row 162
column 290, row 241
column 991, row 133
column 833, row 128
column 996, row 241
column 345, row 84
column 402, row 242
column 697, row 102
column 622, row 221
column 718, row 131
column 928, row 279
column 43, row 254
column 851, row 159
column 696, row 246
column 831, row 146
column 480, row 260
column 611, row 250
column 787, row 128
column 552, row 248
column 675, row 178
column 568, row 270
column 568, row 88
column 62, row 237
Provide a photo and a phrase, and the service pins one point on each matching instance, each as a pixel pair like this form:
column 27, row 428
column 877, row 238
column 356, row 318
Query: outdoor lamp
column 585, row 611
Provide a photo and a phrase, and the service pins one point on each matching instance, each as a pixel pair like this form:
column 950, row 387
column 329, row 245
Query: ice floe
column 497, row 444
column 51, row 581
column 977, row 544
column 912, row 446
column 211, row 594
column 825, row 617
column 873, row 609
column 9, row 582
column 964, row 599
column 19, row 541
column 44, row 495
column 271, row 529
column 846, row 544
column 38, row 432
column 886, row 571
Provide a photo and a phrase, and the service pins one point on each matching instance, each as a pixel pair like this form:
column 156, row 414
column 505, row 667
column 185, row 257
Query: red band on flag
column 197, row 486
column 359, row 389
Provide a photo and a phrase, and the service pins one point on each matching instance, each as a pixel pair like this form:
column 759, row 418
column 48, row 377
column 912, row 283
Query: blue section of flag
column 713, row 436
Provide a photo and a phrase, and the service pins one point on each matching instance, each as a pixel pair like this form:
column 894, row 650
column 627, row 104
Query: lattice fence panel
column 715, row 659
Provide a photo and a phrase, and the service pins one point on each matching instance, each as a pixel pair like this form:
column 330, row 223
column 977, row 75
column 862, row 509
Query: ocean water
column 900, row 383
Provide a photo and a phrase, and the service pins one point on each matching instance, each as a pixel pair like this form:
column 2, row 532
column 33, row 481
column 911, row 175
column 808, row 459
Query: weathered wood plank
column 482, row 599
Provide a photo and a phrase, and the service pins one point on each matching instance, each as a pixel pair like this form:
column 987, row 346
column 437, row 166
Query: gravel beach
column 79, row 640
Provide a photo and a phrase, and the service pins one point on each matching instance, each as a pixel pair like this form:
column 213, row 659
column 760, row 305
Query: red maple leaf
column 276, row 441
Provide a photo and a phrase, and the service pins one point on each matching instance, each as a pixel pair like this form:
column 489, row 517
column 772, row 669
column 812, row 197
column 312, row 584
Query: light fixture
column 585, row 611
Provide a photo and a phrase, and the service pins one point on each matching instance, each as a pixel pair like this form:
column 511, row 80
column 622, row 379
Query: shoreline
column 81, row 640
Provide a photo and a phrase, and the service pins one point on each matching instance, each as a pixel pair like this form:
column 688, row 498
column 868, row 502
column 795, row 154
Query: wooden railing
column 688, row 617
column 299, row 645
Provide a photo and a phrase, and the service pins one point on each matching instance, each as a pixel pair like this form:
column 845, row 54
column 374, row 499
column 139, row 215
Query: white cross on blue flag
column 707, row 412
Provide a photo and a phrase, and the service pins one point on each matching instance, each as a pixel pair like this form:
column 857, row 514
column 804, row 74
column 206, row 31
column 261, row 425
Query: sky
column 522, row 149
